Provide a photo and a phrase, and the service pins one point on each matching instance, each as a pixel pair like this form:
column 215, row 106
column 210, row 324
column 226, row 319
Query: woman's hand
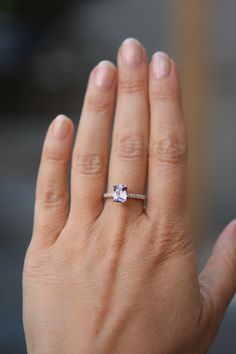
column 103, row 277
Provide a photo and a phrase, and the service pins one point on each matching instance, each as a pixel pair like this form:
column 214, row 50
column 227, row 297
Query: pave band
column 129, row 195
column 120, row 194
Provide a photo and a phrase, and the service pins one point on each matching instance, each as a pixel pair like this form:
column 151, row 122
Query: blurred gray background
column 47, row 49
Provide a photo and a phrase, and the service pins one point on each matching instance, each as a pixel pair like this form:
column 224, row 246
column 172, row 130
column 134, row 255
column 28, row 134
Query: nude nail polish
column 60, row 127
column 161, row 65
column 104, row 74
column 132, row 52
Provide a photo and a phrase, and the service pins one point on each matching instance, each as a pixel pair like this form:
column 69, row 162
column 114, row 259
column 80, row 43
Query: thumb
column 218, row 278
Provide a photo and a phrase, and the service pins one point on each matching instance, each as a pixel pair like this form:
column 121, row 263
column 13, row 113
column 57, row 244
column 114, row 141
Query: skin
column 103, row 277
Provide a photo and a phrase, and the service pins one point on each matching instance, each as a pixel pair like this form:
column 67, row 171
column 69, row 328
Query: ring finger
column 128, row 160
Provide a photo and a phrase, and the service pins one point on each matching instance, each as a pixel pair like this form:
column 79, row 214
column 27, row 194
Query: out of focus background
column 47, row 49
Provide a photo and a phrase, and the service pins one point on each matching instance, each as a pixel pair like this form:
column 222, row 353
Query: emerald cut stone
column 120, row 193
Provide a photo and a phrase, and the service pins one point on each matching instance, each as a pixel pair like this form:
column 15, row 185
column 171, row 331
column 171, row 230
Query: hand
column 103, row 277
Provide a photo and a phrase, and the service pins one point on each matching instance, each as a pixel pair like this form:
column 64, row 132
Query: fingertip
column 61, row 125
column 107, row 63
column 175, row 70
column 103, row 65
column 164, row 78
column 63, row 117
column 227, row 238
column 232, row 227
column 105, row 75
column 137, row 43
column 163, row 66
column 160, row 65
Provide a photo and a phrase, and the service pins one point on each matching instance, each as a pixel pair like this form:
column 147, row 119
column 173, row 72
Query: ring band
column 120, row 194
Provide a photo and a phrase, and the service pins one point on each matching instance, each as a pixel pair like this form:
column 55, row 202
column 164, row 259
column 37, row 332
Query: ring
column 120, row 194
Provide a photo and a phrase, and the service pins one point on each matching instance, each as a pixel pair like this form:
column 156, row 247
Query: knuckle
column 167, row 93
column 131, row 86
column 36, row 262
column 170, row 149
column 207, row 314
column 50, row 196
column 55, row 156
column 170, row 241
column 131, row 146
column 97, row 103
column 90, row 164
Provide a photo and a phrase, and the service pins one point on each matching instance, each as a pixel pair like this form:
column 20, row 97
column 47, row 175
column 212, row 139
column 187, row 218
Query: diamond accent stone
column 120, row 193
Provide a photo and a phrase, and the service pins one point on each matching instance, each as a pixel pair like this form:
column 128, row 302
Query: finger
column 89, row 162
column 51, row 205
column 218, row 278
column 168, row 142
column 128, row 158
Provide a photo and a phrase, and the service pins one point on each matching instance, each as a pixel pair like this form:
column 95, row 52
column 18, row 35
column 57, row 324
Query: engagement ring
column 120, row 194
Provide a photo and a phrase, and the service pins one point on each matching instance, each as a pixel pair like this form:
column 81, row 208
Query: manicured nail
column 60, row 127
column 104, row 74
column 132, row 52
column 161, row 65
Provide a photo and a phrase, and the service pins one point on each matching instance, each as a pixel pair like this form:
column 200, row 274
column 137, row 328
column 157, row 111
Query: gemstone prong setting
column 120, row 193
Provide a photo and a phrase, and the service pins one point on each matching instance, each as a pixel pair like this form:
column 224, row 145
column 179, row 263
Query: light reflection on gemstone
column 120, row 193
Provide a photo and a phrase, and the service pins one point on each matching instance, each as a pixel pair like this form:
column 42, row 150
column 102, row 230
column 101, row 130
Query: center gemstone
column 120, row 193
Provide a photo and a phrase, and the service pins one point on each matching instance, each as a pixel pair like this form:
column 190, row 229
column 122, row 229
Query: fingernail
column 60, row 127
column 104, row 74
column 132, row 52
column 161, row 65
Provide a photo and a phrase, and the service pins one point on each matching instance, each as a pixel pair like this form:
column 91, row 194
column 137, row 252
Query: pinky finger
column 52, row 192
